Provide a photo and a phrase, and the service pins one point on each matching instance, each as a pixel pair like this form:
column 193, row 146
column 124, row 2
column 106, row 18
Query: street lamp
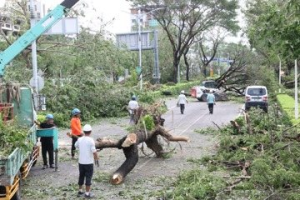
column 139, row 17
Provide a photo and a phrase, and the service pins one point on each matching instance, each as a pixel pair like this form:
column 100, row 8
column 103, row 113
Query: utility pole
column 296, row 90
column 140, row 48
column 156, row 58
column 279, row 76
column 34, row 54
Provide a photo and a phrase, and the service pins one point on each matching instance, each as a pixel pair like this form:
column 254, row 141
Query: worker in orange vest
column 76, row 130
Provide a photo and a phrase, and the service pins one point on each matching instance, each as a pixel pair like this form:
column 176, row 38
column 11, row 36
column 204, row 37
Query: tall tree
column 183, row 20
column 273, row 28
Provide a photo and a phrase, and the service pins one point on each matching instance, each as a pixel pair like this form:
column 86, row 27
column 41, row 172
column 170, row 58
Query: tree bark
column 204, row 70
column 129, row 145
column 176, row 62
column 187, row 65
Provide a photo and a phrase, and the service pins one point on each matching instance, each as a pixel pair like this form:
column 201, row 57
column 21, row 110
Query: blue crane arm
column 32, row 34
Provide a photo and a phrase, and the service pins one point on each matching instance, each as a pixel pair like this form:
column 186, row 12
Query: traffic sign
column 40, row 83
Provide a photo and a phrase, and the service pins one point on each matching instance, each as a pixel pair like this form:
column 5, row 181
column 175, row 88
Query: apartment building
column 10, row 25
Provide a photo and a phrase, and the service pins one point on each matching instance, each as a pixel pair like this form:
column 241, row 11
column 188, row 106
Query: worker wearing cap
column 182, row 100
column 87, row 157
column 76, row 131
column 211, row 101
column 132, row 107
column 47, row 142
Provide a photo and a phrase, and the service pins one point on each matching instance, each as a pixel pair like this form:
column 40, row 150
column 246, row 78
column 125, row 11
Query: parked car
column 200, row 92
column 256, row 96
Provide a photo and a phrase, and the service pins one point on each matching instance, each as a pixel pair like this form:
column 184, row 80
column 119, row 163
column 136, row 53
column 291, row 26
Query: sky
column 2, row 3
column 105, row 9
column 117, row 12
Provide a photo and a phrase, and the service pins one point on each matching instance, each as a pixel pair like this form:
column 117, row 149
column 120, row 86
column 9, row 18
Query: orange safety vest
column 76, row 126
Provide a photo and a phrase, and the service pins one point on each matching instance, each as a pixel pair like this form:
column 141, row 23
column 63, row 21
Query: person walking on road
column 132, row 107
column 211, row 101
column 76, row 131
column 47, row 142
column 87, row 157
column 182, row 100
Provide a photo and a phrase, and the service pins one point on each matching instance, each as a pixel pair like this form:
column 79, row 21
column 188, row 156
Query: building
column 145, row 17
column 11, row 25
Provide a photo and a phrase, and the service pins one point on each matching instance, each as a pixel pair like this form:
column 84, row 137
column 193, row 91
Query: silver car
column 256, row 96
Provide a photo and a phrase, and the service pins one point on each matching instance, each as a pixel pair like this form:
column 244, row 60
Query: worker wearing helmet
column 47, row 142
column 211, row 101
column 132, row 107
column 76, row 131
column 182, row 100
column 87, row 157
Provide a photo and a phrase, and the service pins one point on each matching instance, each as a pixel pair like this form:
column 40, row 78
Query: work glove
column 97, row 163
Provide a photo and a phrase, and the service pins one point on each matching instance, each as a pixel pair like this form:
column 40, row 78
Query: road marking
column 193, row 123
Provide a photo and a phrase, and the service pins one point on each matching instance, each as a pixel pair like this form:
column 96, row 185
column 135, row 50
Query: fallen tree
column 148, row 127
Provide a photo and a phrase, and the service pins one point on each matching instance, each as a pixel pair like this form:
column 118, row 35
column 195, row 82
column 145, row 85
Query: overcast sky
column 105, row 9
column 116, row 10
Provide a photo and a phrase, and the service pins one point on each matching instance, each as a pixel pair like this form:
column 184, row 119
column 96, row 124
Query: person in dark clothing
column 47, row 142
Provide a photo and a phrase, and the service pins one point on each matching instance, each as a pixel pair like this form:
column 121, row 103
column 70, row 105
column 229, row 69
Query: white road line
column 193, row 123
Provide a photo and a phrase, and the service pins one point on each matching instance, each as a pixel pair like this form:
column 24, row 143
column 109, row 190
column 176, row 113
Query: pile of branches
column 10, row 92
column 13, row 136
column 148, row 127
column 261, row 151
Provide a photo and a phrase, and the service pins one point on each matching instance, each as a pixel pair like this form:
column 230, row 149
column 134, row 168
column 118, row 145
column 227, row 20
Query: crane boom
column 32, row 34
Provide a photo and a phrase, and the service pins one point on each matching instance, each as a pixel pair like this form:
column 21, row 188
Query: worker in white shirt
column 87, row 157
column 182, row 100
column 132, row 107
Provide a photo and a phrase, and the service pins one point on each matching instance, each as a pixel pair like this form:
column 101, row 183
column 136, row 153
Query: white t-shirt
column 86, row 146
column 133, row 105
column 182, row 99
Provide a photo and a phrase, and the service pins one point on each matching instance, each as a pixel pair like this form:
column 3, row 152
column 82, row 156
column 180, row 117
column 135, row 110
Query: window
column 257, row 91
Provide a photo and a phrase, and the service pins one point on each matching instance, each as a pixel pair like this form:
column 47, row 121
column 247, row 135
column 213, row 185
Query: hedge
column 287, row 104
column 174, row 90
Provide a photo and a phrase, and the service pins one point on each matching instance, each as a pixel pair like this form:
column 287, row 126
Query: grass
column 287, row 104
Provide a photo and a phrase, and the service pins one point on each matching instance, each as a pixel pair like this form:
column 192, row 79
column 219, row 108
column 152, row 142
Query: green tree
column 273, row 29
column 183, row 20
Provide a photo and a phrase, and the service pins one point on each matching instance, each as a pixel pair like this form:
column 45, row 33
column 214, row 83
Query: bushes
column 97, row 99
column 175, row 89
column 258, row 164
column 287, row 104
column 93, row 99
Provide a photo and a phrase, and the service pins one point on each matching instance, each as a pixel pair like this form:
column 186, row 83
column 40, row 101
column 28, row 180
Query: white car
column 256, row 96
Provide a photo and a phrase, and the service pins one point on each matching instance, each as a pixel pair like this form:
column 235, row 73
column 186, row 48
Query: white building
column 12, row 26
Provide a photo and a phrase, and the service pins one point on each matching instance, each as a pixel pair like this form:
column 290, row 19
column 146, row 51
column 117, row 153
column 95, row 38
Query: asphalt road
column 150, row 173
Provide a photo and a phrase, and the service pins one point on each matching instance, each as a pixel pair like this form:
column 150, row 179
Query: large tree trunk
column 204, row 70
column 176, row 62
column 129, row 145
column 187, row 64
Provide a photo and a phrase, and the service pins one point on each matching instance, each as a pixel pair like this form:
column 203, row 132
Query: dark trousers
column 85, row 174
column 74, row 140
column 47, row 147
column 182, row 107
column 211, row 108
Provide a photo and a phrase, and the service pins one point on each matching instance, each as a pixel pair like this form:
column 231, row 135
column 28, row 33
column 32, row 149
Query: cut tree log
column 129, row 145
